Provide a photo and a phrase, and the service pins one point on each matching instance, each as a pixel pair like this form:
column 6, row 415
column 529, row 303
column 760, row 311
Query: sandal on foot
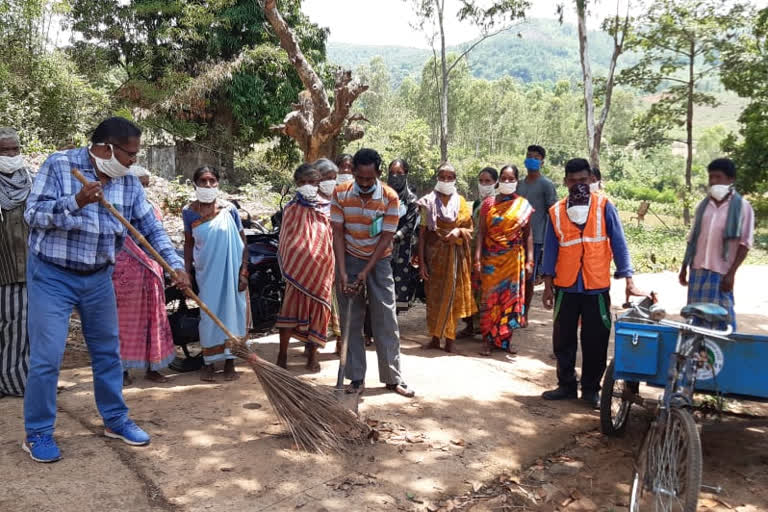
column 355, row 387
column 401, row 389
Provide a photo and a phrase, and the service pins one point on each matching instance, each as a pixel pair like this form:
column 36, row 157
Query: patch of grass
column 656, row 249
column 659, row 249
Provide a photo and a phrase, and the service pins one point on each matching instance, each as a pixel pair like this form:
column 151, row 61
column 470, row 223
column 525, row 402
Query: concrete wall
column 160, row 160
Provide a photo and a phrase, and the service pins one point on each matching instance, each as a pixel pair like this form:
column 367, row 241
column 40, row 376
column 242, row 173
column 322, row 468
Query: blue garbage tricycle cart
column 683, row 359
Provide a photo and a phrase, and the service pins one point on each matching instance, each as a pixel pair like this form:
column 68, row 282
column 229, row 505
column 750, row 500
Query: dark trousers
column 595, row 334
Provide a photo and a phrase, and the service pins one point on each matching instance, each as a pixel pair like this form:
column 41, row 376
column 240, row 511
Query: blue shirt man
column 72, row 246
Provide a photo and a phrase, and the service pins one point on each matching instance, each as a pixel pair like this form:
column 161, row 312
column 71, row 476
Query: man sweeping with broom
column 72, row 247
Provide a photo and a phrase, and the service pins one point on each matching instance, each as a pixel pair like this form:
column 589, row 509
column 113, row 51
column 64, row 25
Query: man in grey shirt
column 540, row 192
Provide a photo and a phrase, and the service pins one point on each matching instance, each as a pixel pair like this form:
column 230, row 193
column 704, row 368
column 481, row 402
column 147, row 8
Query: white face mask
column 207, row 195
column 10, row 164
column 594, row 187
column 507, row 188
column 344, row 178
column 327, row 187
column 578, row 214
column 112, row 167
column 485, row 190
column 447, row 188
column 309, row 192
column 718, row 192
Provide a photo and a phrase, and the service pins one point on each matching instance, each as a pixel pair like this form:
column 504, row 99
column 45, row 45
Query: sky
column 387, row 22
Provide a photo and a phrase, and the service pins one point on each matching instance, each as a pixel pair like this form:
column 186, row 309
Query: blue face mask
column 532, row 164
column 366, row 191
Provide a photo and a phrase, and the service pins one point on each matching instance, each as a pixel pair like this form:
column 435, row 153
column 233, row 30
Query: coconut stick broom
column 316, row 421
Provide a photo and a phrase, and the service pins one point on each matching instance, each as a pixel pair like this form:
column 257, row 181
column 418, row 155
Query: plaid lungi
column 704, row 286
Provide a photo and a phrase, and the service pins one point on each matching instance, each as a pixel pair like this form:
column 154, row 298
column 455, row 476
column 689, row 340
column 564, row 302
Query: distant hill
column 539, row 50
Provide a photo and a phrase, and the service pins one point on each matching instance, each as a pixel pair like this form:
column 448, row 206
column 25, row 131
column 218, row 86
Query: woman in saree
column 214, row 246
column 329, row 173
column 145, row 334
column 445, row 256
column 307, row 263
column 405, row 274
column 503, row 256
column 486, row 187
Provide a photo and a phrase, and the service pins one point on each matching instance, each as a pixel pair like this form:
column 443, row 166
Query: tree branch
column 288, row 41
column 347, row 90
column 618, row 49
column 474, row 45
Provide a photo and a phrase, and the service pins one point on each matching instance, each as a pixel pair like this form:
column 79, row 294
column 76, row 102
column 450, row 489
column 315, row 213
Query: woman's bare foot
column 127, row 379
column 313, row 365
column 450, row 346
column 229, row 370
column 511, row 349
column 155, row 376
column 207, row 373
column 486, row 350
column 282, row 361
column 434, row 344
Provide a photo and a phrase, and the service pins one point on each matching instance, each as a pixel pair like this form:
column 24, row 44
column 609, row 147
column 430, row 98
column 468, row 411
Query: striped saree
column 308, row 265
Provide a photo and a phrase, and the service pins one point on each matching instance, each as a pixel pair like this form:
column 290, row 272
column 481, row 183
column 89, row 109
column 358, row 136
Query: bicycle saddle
column 710, row 313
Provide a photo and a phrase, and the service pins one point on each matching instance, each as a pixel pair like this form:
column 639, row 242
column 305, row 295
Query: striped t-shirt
column 357, row 216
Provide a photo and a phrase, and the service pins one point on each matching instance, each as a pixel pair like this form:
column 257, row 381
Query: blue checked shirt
column 87, row 238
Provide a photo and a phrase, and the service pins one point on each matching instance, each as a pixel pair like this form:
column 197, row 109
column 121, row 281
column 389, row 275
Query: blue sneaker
column 41, row 447
column 129, row 432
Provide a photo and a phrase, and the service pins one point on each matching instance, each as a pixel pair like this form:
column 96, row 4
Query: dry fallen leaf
column 458, row 442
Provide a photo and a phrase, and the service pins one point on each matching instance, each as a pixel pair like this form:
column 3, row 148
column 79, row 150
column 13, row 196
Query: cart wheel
column 668, row 471
column 614, row 405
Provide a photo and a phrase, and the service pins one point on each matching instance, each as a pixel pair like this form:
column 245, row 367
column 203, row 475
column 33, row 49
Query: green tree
column 373, row 103
column 490, row 19
column 745, row 71
column 42, row 94
column 680, row 41
column 208, row 72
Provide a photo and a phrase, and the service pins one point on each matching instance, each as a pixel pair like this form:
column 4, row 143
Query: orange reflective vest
column 588, row 249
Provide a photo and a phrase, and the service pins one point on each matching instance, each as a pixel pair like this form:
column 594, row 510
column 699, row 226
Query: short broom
column 314, row 418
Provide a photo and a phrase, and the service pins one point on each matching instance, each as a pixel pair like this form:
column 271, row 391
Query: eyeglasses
column 130, row 154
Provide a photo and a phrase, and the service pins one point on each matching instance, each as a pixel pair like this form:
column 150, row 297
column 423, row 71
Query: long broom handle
column 143, row 241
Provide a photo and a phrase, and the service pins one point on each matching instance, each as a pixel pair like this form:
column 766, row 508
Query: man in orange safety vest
column 583, row 237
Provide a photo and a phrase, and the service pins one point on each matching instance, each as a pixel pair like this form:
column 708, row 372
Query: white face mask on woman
column 308, row 192
column 112, row 166
column 11, row 164
column 485, row 190
column 718, row 192
column 207, row 195
column 507, row 187
column 447, row 188
column 344, row 178
column 327, row 187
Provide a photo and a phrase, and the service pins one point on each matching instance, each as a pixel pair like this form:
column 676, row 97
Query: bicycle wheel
column 614, row 404
column 668, row 475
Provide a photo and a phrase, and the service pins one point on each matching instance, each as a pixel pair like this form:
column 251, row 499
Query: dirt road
column 477, row 423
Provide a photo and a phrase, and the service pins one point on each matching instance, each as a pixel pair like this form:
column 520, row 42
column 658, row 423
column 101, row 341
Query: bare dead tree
column 315, row 124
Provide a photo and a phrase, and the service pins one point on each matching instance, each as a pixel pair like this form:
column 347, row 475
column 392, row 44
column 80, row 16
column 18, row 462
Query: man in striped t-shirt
column 364, row 214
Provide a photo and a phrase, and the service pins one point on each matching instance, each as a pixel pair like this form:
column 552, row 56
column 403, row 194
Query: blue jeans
column 53, row 292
